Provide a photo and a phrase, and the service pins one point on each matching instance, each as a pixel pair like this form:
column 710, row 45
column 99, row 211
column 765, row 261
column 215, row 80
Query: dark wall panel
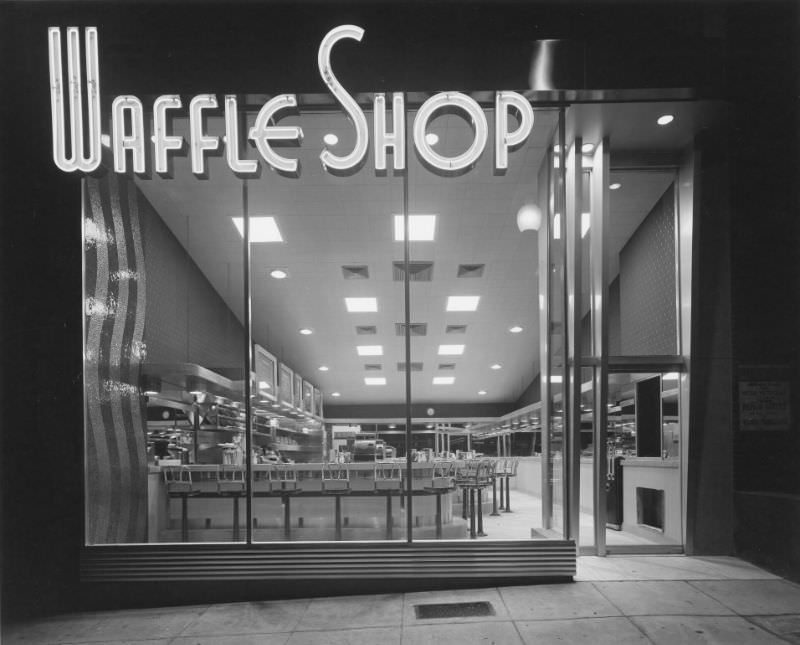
column 187, row 320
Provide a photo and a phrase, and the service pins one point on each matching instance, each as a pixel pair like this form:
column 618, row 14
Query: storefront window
column 269, row 360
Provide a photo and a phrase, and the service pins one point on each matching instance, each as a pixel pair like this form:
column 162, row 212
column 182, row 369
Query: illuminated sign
column 128, row 140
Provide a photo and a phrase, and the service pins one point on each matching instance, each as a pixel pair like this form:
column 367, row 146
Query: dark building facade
column 742, row 483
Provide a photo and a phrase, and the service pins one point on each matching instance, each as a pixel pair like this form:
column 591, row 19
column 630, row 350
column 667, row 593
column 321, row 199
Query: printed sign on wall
column 764, row 405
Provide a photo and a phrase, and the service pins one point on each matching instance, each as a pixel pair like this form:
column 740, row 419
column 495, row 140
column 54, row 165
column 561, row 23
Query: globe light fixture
column 529, row 218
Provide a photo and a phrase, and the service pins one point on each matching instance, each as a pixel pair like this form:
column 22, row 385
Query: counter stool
column 484, row 476
column 471, row 477
column 496, row 467
column 442, row 481
column 510, row 471
column 388, row 480
column 230, row 483
column 178, row 483
column 461, row 475
column 502, row 465
column 336, row 482
column 284, row 484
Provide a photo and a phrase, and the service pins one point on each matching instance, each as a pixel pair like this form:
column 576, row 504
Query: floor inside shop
column 524, row 522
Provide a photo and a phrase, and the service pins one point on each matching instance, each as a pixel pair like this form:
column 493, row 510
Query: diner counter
column 205, row 514
column 361, row 473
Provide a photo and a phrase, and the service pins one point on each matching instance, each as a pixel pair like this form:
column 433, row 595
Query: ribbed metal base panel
column 512, row 561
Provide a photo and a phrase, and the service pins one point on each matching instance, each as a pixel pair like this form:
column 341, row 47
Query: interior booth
column 401, row 335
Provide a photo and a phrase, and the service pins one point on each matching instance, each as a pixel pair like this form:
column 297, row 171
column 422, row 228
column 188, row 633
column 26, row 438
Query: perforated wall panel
column 647, row 284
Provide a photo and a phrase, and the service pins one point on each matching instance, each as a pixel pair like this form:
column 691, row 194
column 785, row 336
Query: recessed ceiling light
column 462, row 303
column 323, row 368
column 361, row 305
column 665, row 119
column 306, row 331
column 330, row 139
column 444, row 380
column 615, row 186
column 587, row 148
column 497, row 366
column 262, row 229
column 431, row 138
column 369, row 350
column 422, row 228
column 336, row 394
column 279, row 274
column 515, row 329
column 374, row 380
column 451, row 350
column 392, row 425
column 481, row 392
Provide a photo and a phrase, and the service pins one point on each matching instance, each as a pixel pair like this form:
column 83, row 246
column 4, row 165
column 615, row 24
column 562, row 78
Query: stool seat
column 284, row 479
column 387, row 476
column 230, row 480
column 441, row 483
column 335, row 486
column 178, row 480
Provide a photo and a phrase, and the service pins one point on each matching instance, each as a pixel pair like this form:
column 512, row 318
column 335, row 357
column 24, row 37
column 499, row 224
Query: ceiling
column 328, row 221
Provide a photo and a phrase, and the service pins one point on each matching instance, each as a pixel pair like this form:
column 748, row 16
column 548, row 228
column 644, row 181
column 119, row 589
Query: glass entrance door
column 627, row 227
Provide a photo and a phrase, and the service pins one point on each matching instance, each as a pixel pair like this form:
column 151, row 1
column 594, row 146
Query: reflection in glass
column 643, row 465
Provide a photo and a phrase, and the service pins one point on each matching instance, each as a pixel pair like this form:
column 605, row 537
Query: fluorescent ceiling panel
column 262, row 229
column 369, row 350
column 444, row 380
column 421, row 228
column 361, row 305
column 374, row 380
column 451, row 350
column 462, row 303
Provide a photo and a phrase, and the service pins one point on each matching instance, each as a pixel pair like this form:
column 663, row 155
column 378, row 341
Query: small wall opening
column 650, row 508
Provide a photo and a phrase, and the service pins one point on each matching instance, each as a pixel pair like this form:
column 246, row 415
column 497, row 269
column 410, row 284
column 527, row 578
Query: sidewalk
column 616, row 600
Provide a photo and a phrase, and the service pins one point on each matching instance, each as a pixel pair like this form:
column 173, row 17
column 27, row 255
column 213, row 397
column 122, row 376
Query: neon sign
column 128, row 140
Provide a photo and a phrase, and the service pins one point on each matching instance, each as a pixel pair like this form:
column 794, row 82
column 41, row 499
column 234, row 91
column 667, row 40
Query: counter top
column 650, row 462
column 313, row 467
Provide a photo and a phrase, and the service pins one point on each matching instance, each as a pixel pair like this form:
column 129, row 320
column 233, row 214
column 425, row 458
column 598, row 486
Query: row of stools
column 472, row 477
column 280, row 480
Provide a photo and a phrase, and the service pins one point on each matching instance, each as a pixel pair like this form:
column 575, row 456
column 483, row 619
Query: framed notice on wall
column 317, row 403
column 298, row 392
column 266, row 368
column 286, row 385
column 764, row 405
column 308, row 397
